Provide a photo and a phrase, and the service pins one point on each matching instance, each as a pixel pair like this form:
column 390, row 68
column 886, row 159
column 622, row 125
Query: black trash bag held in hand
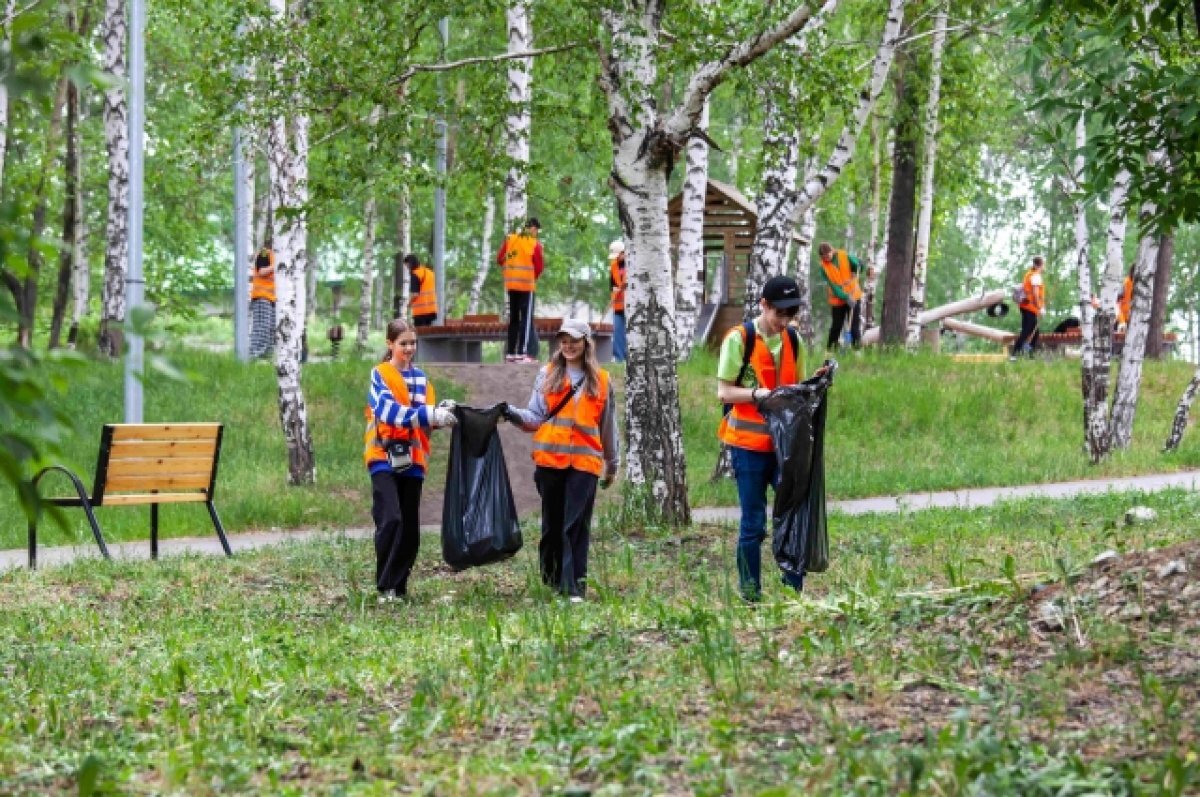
column 795, row 417
column 479, row 516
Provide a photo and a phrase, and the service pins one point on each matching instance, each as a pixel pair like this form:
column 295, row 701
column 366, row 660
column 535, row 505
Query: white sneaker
column 575, row 599
column 387, row 596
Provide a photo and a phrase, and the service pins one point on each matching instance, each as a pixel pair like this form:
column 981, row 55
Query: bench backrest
column 144, row 463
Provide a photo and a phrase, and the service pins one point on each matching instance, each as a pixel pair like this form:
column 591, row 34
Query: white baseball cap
column 615, row 248
column 575, row 328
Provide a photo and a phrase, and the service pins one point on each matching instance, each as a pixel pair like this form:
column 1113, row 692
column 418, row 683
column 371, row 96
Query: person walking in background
column 1125, row 302
column 616, row 284
column 845, row 295
column 522, row 259
column 423, row 290
column 572, row 416
column 1033, row 307
column 396, row 451
column 262, row 304
column 744, row 377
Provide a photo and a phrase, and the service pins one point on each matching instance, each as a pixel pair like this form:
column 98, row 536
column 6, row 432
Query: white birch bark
column 519, row 120
column 1179, row 423
column 1129, row 378
column 485, row 254
column 9, row 10
column 815, row 185
column 380, row 292
column 262, row 217
column 287, row 154
column 689, row 267
column 404, row 238
column 81, row 278
column 872, row 275
column 368, row 274
column 114, row 34
column 804, row 318
column 645, row 139
column 916, row 300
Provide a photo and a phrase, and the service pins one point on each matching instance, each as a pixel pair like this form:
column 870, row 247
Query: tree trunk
column 287, row 153
column 9, row 10
column 1179, row 424
column 804, row 317
column 777, row 197
column 916, row 302
column 1129, row 378
column 69, row 253
column 262, row 217
column 898, row 276
column 689, row 256
column 873, row 243
column 400, row 282
column 1162, row 289
column 519, row 120
column 114, row 33
column 26, row 295
column 81, row 280
column 485, row 253
column 815, row 185
column 368, row 274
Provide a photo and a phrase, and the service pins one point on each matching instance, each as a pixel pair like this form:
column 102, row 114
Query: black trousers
column 1030, row 334
column 568, row 496
column 424, row 320
column 839, row 313
column 396, row 509
column 520, row 321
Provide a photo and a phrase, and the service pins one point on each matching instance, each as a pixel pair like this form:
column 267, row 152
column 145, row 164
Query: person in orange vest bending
column 1033, row 307
column 572, row 416
column 744, row 377
column 423, row 290
column 262, row 304
column 845, row 295
column 400, row 414
column 616, row 283
column 521, row 257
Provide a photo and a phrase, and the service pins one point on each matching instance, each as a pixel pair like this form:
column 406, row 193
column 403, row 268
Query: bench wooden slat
column 166, row 431
column 136, row 499
column 150, row 466
column 138, row 449
column 197, row 481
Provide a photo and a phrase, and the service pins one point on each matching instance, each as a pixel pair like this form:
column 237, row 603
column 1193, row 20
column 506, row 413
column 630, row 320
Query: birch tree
column 485, row 253
column 916, row 301
column 1129, row 377
column 519, row 120
column 287, row 156
column 401, row 284
column 9, row 9
column 368, row 273
column 872, row 276
column 1180, row 421
column 645, row 140
column 689, row 263
column 72, row 190
column 114, row 34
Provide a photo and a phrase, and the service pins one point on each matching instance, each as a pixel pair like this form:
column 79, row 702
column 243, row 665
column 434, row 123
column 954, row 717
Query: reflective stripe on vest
column 378, row 432
column 616, row 269
column 571, row 439
column 425, row 302
column 518, row 263
column 744, row 426
column 838, row 273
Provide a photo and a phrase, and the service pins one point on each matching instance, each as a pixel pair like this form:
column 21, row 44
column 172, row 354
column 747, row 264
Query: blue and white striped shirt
column 388, row 409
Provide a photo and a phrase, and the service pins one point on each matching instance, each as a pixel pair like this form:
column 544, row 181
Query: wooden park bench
column 460, row 340
column 145, row 463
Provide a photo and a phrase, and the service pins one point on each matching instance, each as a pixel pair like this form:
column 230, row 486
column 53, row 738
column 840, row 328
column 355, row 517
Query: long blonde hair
column 591, row 371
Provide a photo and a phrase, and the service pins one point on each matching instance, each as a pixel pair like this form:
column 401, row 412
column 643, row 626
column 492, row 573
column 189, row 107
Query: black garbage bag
column 479, row 516
column 795, row 416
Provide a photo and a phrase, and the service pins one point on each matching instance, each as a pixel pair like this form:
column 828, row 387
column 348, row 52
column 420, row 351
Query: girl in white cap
column 572, row 417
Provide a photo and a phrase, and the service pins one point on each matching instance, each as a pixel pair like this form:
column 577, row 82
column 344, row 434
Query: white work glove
column 447, row 404
column 442, row 417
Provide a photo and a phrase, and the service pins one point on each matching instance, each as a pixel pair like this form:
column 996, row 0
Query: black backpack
column 750, row 337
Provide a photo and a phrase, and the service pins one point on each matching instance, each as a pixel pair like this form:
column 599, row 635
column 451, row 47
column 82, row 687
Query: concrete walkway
column 951, row 499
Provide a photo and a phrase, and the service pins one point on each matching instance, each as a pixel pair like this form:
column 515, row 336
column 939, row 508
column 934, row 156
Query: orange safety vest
column 842, row 276
column 262, row 281
column 744, row 426
column 379, row 432
column 616, row 269
column 518, row 263
column 1125, row 303
column 1035, row 295
column 571, row 439
column 425, row 302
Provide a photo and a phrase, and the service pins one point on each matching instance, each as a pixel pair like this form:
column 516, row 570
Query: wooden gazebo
column 730, row 221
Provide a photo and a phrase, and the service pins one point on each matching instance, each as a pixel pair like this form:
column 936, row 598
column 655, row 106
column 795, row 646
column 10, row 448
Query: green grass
column 897, row 423
column 276, row 672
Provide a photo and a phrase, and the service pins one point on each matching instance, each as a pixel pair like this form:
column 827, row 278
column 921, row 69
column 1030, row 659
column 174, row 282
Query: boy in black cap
column 743, row 379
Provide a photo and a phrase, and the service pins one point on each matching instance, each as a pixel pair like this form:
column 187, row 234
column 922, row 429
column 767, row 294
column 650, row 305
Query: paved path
column 961, row 499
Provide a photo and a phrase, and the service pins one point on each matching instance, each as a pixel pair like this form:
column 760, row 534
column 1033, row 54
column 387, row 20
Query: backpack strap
column 794, row 337
column 749, row 338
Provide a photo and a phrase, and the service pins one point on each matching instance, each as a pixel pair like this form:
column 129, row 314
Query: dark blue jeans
column 754, row 471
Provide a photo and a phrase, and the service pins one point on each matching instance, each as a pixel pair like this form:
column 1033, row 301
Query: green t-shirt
column 732, row 351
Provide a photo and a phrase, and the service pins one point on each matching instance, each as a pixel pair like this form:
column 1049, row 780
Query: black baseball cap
column 781, row 292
